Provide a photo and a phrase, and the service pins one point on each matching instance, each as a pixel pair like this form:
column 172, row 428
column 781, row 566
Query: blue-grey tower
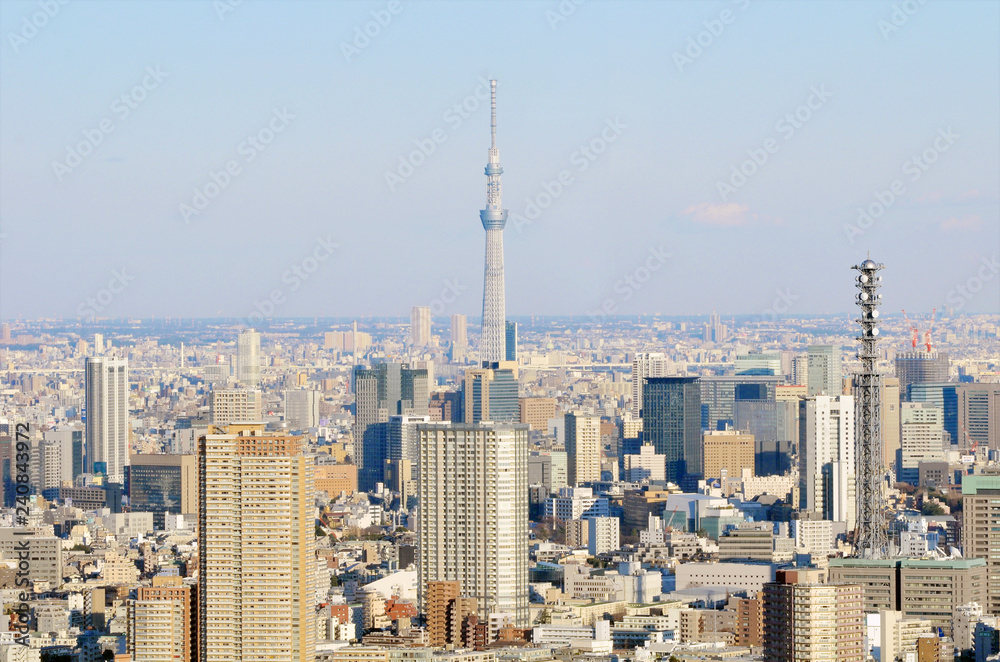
column 494, row 217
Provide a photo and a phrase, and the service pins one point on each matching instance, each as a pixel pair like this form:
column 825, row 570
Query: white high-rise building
column 248, row 359
column 420, row 326
column 459, row 336
column 234, row 405
column 827, row 457
column 922, row 438
column 107, row 425
column 602, row 535
column 647, row 364
column 302, row 408
column 583, row 447
column 256, row 546
column 473, row 518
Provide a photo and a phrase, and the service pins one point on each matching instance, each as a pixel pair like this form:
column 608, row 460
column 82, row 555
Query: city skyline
column 646, row 127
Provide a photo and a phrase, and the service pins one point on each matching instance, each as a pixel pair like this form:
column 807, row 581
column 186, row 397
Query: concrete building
column 107, row 425
column 890, row 420
column 583, row 448
column 922, row 439
column 163, row 621
column 813, row 622
column 248, row 359
column 979, row 415
column 602, row 535
column 727, row 453
column 980, row 518
column 256, row 545
column 576, row 503
column 645, row 466
column 827, row 457
column 741, row 576
column 234, row 405
column 44, row 554
column 548, row 468
column 420, row 326
column 473, row 519
column 536, row 412
column 757, row 542
column 918, row 588
column 302, row 408
column 825, row 375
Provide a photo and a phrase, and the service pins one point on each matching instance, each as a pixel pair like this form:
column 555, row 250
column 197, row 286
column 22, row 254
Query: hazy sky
column 115, row 115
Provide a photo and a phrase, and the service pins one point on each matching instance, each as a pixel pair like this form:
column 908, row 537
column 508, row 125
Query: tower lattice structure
column 871, row 540
column 494, row 217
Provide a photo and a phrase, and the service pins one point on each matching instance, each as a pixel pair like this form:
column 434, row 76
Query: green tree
column 931, row 508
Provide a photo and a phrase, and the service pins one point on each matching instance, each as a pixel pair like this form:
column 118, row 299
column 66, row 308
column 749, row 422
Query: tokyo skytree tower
column 494, row 217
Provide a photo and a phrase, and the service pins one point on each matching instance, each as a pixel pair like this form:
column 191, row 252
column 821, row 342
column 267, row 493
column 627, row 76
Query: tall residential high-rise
column 511, row 341
column 980, row 518
column 420, row 326
column 473, row 517
column 163, row 621
column 583, row 447
column 646, row 364
column 71, row 452
column 459, row 337
column 256, row 547
column 921, row 368
column 671, row 422
column 824, row 373
column 248, row 358
column 107, row 425
column 490, row 393
column 383, row 390
column 494, row 218
column 715, row 330
column 827, row 457
column 813, row 622
column 234, row 405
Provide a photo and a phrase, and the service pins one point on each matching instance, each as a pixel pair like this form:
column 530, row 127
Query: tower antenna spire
column 494, row 218
column 493, row 114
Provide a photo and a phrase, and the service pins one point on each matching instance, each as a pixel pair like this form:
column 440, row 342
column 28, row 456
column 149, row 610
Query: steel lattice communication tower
column 871, row 540
column 494, row 342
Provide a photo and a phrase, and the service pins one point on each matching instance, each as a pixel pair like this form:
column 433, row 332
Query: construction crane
column 927, row 334
column 913, row 329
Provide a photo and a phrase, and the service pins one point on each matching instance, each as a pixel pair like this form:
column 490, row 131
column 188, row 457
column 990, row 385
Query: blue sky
column 675, row 97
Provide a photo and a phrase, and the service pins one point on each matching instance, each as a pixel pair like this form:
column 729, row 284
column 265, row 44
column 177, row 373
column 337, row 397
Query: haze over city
column 758, row 149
